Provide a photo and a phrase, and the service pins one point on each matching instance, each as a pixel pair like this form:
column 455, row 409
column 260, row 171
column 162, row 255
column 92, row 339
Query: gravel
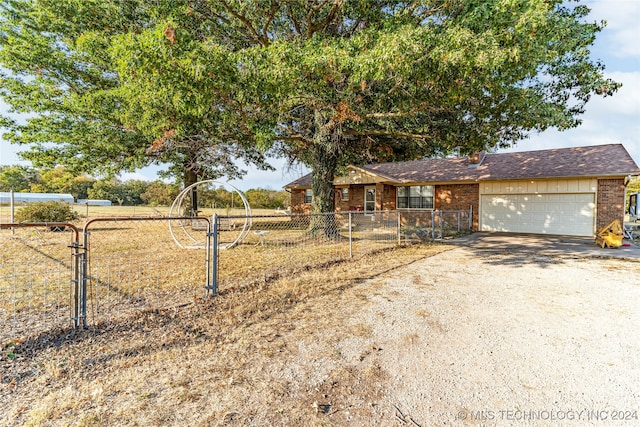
column 506, row 339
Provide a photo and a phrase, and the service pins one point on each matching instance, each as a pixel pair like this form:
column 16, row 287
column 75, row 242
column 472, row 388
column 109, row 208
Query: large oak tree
column 323, row 82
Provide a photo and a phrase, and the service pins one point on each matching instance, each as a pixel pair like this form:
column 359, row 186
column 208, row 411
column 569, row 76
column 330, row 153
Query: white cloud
column 622, row 32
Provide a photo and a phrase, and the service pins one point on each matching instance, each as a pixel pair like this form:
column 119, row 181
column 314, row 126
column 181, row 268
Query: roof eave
column 376, row 173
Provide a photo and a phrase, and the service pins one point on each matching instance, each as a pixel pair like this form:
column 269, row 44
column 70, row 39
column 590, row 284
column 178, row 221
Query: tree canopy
column 107, row 89
column 118, row 84
column 17, row 178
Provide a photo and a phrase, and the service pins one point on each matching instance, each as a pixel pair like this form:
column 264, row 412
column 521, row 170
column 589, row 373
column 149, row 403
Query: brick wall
column 459, row 197
column 388, row 198
column 297, row 202
column 356, row 198
column 447, row 197
column 610, row 201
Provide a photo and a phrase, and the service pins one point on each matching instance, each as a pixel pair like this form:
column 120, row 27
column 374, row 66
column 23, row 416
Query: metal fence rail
column 120, row 265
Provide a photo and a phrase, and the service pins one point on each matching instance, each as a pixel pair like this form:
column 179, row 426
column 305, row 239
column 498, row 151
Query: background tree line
column 130, row 192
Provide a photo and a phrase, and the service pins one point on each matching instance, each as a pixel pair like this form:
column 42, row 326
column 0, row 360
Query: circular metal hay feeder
column 191, row 233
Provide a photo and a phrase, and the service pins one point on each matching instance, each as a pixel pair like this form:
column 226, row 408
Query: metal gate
column 134, row 264
column 40, row 271
column 54, row 276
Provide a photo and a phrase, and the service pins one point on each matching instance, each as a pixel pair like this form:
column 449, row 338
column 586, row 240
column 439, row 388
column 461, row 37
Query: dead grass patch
column 251, row 356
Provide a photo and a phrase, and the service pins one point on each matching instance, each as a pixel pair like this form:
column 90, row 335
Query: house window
column 308, row 196
column 344, row 194
column 415, row 197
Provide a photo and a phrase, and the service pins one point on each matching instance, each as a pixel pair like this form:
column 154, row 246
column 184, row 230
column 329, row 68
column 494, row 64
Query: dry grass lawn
column 223, row 361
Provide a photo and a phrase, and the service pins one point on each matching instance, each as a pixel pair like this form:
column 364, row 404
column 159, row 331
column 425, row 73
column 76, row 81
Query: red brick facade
column 609, row 205
column 298, row 205
column 459, row 197
column 447, row 197
column 610, row 201
column 577, row 167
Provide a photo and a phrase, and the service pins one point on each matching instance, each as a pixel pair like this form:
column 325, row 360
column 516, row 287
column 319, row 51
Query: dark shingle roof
column 592, row 161
column 577, row 162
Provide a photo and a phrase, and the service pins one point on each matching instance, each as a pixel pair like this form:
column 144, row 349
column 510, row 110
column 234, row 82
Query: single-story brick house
column 566, row 191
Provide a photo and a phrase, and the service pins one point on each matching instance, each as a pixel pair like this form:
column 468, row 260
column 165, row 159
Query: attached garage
column 564, row 207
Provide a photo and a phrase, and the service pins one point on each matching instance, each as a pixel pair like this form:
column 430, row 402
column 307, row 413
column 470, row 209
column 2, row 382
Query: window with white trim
column 308, row 196
column 344, row 194
column 415, row 197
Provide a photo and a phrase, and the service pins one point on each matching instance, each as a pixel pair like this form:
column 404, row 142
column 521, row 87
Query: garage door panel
column 571, row 214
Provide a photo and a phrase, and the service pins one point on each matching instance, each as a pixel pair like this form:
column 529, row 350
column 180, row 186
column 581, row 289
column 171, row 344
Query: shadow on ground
column 525, row 249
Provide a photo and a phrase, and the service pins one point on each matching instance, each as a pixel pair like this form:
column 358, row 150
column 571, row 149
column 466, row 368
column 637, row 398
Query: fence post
column 459, row 221
column 399, row 224
column 441, row 221
column 433, row 225
column 212, row 238
column 84, row 274
column 76, row 279
column 350, row 235
column 470, row 218
column 12, row 211
column 207, row 255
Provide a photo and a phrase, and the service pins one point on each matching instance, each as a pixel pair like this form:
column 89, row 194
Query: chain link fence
column 282, row 245
column 119, row 265
column 419, row 225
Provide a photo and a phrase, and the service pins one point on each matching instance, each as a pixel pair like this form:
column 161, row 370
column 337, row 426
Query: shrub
column 46, row 212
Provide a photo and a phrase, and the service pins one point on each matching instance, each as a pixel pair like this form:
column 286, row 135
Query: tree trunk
column 190, row 178
column 324, row 169
column 324, row 165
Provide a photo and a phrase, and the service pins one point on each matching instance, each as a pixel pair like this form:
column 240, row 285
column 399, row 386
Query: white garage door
column 567, row 214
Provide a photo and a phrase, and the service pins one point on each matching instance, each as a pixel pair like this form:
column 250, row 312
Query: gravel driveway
column 505, row 338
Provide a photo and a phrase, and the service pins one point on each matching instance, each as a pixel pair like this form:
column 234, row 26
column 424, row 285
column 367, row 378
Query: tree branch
column 208, row 14
column 354, row 27
column 424, row 108
column 246, row 23
column 294, row 21
column 293, row 138
column 311, row 27
column 272, row 13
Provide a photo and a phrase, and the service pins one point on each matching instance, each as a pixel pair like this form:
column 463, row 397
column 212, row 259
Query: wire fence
column 281, row 245
column 136, row 264
column 115, row 266
column 420, row 225
column 38, row 278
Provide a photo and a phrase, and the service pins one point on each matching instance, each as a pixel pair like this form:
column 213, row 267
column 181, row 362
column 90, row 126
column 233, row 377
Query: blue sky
column 607, row 120
column 616, row 119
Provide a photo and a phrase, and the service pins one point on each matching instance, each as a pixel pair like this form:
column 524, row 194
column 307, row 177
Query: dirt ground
column 511, row 340
column 448, row 336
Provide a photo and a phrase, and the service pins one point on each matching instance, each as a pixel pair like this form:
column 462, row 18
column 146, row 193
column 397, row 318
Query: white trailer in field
column 5, row 197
